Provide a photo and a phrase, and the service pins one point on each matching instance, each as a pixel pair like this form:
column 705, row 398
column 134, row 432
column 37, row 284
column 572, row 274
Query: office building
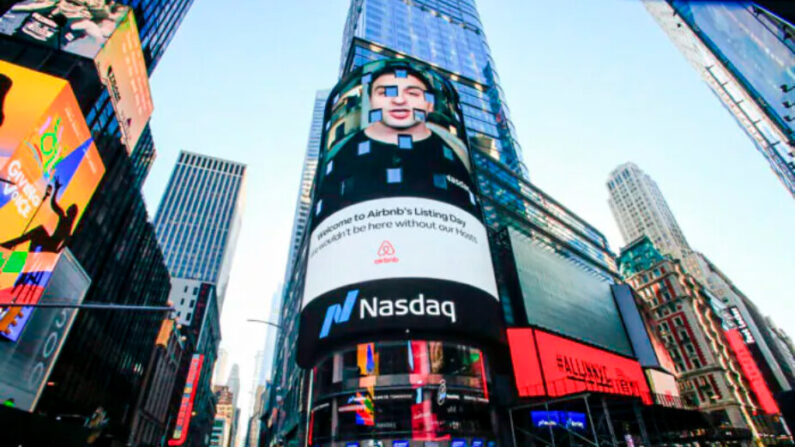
column 102, row 362
column 304, row 200
column 745, row 53
column 224, row 423
column 713, row 372
column 156, row 407
column 640, row 209
column 197, row 224
column 439, row 47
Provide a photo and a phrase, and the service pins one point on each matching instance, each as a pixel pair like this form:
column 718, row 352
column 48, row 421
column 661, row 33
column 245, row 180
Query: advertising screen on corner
column 397, row 241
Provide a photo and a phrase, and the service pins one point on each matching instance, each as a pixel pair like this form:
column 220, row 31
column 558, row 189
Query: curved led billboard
column 397, row 243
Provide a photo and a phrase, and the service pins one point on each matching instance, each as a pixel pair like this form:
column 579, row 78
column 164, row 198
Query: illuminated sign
column 122, row 69
column 396, row 238
column 103, row 31
column 571, row 420
column 560, row 367
column 663, row 385
column 186, row 405
column 739, row 322
column 751, row 372
column 49, row 167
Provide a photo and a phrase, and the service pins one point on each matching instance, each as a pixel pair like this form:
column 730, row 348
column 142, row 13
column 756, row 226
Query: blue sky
column 590, row 85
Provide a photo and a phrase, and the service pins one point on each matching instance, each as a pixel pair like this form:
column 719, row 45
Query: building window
column 187, row 317
column 195, row 291
column 677, row 321
column 192, row 302
column 182, row 302
column 394, row 175
column 696, row 363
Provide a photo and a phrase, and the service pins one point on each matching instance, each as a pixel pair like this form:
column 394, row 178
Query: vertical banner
column 49, row 169
column 397, row 241
column 122, row 69
column 182, row 425
column 751, row 372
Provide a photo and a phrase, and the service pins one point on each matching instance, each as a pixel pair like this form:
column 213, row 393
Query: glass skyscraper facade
column 304, row 201
column 746, row 55
column 198, row 220
column 448, row 35
column 103, row 359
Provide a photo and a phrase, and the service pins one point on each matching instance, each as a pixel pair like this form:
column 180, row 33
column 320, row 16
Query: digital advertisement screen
column 397, row 239
column 80, row 28
column 49, row 169
column 103, row 31
column 122, row 69
column 182, row 425
column 560, row 367
column 751, row 372
column 571, row 420
column 564, row 298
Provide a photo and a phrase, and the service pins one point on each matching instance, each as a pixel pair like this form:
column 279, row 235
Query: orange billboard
column 49, row 169
column 122, row 69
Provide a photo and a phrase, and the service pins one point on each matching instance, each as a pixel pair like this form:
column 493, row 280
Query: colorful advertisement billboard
column 184, row 414
column 549, row 365
column 49, row 169
column 122, row 69
column 751, row 372
column 396, row 240
column 103, row 31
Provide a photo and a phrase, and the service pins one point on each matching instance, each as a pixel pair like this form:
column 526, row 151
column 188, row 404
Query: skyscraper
column 304, row 200
column 745, row 54
column 102, row 361
column 449, row 36
column 197, row 224
column 391, row 48
column 640, row 209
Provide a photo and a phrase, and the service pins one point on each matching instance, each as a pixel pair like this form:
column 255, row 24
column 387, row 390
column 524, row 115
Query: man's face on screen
column 398, row 98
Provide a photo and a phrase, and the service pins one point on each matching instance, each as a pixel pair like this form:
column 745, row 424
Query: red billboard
column 751, row 372
column 567, row 367
column 186, row 406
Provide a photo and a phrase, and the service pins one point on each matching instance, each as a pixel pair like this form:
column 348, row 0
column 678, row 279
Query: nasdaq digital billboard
column 49, row 169
column 103, row 31
column 396, row 240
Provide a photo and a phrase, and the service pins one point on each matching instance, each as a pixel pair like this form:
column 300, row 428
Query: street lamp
column 269, row 323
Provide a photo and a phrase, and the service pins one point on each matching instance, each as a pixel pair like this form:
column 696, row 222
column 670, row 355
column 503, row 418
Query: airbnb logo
column 386, row 254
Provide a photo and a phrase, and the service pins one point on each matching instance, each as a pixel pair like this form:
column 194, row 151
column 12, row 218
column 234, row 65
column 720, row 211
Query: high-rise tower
column 640, row 209
column 745, row 54
column 304, row 200
column 198, row 221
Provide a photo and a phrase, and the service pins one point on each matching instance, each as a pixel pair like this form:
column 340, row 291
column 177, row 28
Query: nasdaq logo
column 339, row 313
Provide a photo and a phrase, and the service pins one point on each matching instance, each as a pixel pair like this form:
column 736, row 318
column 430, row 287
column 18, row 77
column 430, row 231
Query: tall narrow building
column 197, row 225
column 304, row 200
column 640, row 209
column 745, row 53
column 198, row 222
